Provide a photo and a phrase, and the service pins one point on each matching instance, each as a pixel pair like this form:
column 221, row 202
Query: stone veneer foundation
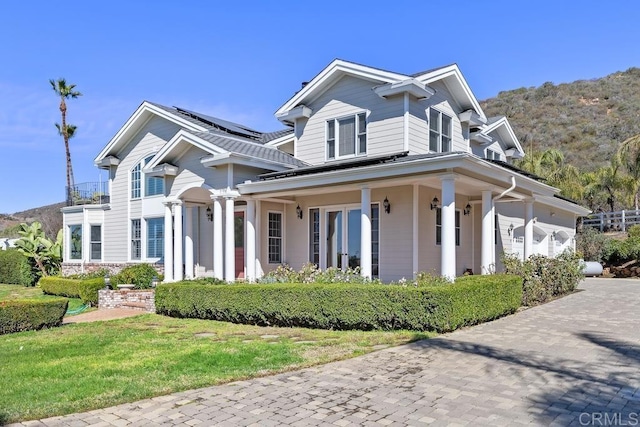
column 70, row 268
column 142, row 300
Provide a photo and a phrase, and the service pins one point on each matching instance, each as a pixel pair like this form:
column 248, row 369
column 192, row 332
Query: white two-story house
column 392, row 173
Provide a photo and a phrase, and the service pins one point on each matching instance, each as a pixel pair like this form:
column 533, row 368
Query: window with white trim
column 153, row 185
column 439, row 227
column 314, row 236
column 492, row 155
column 347, row 136
column 155, row 237
column 275, row 237
column 136, row 239
column 75, row 241
column 96, row 242
column 439, row 131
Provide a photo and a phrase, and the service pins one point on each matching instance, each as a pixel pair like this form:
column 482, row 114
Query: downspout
column 508, row 190
column 493, row 207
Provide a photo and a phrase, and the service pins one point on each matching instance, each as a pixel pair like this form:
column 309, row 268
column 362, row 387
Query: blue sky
column 241, row 60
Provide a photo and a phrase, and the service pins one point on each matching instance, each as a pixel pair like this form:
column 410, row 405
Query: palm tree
column 550, row 165
column 65, row 92
column 629, row 154
column 608, row 181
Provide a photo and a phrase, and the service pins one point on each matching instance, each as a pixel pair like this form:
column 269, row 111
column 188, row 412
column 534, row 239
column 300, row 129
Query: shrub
column 545, row 278
column 139, row 275
column 26, row 315
column 87, row 289
column 310, row 273
column 621, row 251
column 592, row 244
column 15, row 268
column 470, row 300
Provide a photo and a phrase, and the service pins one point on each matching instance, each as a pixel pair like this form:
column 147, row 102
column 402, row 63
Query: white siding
column 419, row 126
column 153, row 135
column 191, row 172
column 350, row 96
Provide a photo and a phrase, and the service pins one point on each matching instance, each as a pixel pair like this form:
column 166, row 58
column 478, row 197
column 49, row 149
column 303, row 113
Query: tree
column 629, row 154
column 550, row 164
column 610, row 182
column 67, row 131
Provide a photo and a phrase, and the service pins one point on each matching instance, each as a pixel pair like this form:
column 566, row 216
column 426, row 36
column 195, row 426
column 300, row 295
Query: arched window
column 153, row 185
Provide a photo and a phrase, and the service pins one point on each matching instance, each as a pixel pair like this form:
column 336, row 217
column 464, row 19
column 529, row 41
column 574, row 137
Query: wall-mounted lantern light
column 553, row 235
column 209, row 214
column 107, row 281
column 299, row 212
column 386, row 205
column 510, row 230
column 467, row 209
column 435, row 203
column 154, row 281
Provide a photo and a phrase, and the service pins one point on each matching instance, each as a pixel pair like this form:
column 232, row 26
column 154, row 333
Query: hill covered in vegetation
column 586, row 119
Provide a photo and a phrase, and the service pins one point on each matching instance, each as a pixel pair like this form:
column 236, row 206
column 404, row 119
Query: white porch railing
column 612, row 221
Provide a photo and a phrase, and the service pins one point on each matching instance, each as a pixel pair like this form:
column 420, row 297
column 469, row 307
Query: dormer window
column 492, row 155
column 439, row 132
column 347, row 137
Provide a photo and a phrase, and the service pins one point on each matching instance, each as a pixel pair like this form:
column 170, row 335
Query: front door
column 343, row 238
column 239, row 239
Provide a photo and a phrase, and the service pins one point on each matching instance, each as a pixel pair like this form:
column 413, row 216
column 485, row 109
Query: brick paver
column 574, row 361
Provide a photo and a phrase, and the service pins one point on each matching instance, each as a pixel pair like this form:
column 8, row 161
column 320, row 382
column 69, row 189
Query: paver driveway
column 573, row 361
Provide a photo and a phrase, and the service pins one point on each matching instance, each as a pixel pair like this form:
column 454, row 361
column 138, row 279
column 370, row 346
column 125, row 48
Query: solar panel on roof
column 224, row 125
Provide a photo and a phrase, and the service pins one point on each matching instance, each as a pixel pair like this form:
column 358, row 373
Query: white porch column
column 218, row 257
column 488, row 245
column 365, row 233
column 179, row 240
column 229, row 241
column 259, row 271
column 188, row 242
column 448, row 242
column 168, row 243
column 251, row 241
column 528, row 228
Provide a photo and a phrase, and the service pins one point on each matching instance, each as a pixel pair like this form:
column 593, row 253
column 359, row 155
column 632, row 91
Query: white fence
column 612, row 221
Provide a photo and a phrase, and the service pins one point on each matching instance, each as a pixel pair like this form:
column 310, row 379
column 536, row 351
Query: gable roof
column 501, row 125
column 450, row 75
column 211, row 134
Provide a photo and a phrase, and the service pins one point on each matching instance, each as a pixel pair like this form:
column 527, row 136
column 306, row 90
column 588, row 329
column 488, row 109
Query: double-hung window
column 439, row 227
column 136, row 239
column 155, row 237
column 96, row 242
column 275, row 237
column 136, row 174
column 347, row 136
column 439, row 131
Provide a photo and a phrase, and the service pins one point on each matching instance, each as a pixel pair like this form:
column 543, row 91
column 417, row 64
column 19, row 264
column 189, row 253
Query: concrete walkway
column 575, row 361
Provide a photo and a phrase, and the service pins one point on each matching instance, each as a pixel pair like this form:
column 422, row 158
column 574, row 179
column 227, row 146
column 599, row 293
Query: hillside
column 49, row 216
column 586, row 119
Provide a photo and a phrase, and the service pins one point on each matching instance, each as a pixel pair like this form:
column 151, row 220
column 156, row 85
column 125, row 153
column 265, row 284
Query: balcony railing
column 88, row 193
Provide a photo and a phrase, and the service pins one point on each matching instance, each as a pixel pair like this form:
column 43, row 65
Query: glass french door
column 343, row 238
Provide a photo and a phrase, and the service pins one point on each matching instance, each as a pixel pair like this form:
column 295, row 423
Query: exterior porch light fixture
column 386, row 205
column 107, row 282
column 299, row 212
column 553, row 235
column 510, row 230
column 467, row 209
column 435, row 203
column 154, row 281
column 209, row 214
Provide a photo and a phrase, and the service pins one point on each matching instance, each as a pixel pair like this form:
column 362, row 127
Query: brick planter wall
column 142, row 300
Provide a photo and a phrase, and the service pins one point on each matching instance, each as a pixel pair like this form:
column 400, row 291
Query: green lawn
column 22, row 292
column 84, row 366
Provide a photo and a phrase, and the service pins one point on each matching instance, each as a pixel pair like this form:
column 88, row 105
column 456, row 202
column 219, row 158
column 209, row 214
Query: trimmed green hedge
column 27, row 315
column 470, row 300
column 87, row 289
column 15, row 268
